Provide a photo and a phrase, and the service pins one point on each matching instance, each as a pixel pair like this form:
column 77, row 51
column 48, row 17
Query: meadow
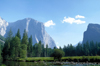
column 67, row 59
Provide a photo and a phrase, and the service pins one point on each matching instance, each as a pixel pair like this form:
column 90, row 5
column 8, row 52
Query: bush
column 57, row 54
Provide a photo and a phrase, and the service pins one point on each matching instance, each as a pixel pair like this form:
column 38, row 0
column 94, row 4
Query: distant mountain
column 92, row 33
column 33, row 27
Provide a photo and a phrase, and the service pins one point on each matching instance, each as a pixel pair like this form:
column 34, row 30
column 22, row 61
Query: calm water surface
column 13, row 63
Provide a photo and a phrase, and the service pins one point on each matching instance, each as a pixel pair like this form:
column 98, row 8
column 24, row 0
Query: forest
column 15, row 47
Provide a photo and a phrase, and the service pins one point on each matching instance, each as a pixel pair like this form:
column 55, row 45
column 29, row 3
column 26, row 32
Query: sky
column 64, row 20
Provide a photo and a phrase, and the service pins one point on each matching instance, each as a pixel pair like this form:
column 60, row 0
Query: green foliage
column 15, row 47
column 6, row 49
column 9, row 35
column 24, row 44
column 57, row 54
column 38, row 49
column 29, row 47
column 46, row 50
column 3, row 65
column 2, row 38
column 0, row 52
column 40, row 58
column 69, row 50
column 79, row 50
column 18, row 34
column 25, row 38
column 23, row 51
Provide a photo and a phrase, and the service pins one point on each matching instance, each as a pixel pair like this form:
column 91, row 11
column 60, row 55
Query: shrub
column 57, row 54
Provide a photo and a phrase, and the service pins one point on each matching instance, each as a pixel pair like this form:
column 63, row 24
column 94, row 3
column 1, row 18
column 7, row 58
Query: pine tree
column 29, row 48
column 9, row 35
column 92, row 48
column 24, row 43
column 0, row 52
column 38, row 49
column 17, row 46
column 46, row 50
column 6, row 49
column 18, row 34
column 23, row 51
column 25, row 38
column 42, row 54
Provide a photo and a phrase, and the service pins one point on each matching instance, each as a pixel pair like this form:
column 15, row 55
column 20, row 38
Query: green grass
column 40, row 58
column 36, row 59
column 29, row 59
column 81, row 57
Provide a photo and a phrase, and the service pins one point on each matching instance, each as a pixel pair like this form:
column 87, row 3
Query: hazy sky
column 65, row 20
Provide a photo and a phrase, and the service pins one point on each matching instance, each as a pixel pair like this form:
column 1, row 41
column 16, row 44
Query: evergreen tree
column 79, row 50
column 25, row 38
column 18, row 34
column 65, row 50
column 17, row 46
column 38, row 49
column 60, row 48
column 46, row 50
column 9, row 35
column 24, row 43
column 92, row 48
column 6, row 49
column 12, row 49
column 96, row 48
column 42, row 54
column 0, row 52
column 30, row 49
column 23, row 51
column 87, row 48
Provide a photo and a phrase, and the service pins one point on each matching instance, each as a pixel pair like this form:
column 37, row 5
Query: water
column 13, row 63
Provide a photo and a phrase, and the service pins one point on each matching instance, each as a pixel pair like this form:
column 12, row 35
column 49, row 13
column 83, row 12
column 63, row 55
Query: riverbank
column 68, row 59
column 82, row 58
column 57, row 63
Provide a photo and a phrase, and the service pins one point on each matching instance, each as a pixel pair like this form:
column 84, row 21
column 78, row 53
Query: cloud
column 58, row 47
column 49, row 23
column 72, row 20
column 79, row 16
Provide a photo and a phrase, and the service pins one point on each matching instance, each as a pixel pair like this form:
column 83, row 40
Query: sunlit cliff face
column 3, row 25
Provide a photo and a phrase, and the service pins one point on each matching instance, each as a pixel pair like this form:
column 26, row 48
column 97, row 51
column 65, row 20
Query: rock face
column 92, row 33
column 3, row 25
column 34, row 28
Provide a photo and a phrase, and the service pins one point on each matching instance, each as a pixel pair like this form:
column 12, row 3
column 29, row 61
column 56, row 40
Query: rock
column 92, row 33
column 33, row 27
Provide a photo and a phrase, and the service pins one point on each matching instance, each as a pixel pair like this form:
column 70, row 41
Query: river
column 13, row 63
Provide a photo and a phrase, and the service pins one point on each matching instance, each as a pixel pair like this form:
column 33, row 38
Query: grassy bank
column 82, row 58
column 32, row 59
column 71, row 58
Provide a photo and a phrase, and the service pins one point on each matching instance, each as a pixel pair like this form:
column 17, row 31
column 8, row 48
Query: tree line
column 82, row 49
column 17, row 47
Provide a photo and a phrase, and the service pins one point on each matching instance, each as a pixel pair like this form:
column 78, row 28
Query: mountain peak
column 33, row 20
column 28, row 18
column 34, row 28
column 92, row 25
column 92, row 33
